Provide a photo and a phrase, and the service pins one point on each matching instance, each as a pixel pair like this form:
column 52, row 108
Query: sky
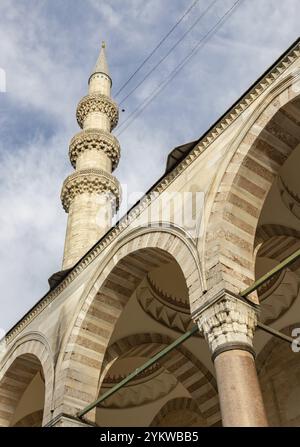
column 47, row 51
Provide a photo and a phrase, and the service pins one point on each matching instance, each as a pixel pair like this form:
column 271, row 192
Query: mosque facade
column 176, row 280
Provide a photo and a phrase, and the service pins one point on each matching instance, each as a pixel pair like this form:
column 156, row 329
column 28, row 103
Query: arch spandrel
column 239, row 197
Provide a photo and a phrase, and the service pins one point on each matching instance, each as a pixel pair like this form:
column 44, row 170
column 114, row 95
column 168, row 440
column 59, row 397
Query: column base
column 66, row 420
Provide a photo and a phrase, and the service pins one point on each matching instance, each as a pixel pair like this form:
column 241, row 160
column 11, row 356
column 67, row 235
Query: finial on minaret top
column 101, row 64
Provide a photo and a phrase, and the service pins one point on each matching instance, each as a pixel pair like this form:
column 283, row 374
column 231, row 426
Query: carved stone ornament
column 165, row 308
column 97, row 103
column 94, row 139
column 90, row 181
column 228, row 323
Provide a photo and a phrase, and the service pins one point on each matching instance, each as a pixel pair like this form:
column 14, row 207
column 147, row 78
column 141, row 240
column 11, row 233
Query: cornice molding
column 89, row 181
column 199, row 148
column 90, row 139
column 97, row 103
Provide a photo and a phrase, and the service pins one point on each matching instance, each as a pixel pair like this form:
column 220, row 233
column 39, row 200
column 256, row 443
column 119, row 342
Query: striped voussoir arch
column 188, row 370
column 20, row 366
column 278, row 242
column 87, row 344
column 230, row 234
column 178, row 404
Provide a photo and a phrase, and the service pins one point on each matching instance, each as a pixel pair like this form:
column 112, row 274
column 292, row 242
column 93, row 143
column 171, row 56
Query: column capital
column 228, row 322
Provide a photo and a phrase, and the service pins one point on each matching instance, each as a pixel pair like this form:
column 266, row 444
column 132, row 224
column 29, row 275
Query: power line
column 157, row 46
column 172, row 75
column 169, row 52
column 174, row 72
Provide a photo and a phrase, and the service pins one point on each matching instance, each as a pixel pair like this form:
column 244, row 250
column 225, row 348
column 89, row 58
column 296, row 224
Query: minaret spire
column 101, row 64
column 92, row 194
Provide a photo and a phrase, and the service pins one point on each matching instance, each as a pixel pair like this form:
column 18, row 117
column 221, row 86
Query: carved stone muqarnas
column 90, row 139
column 90, row 181
column 97, row 103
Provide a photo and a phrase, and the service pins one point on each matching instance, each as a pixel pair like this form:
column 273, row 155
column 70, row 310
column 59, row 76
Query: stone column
column 228, row 324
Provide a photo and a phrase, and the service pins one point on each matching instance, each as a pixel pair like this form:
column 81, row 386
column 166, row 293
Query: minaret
column 91, row 194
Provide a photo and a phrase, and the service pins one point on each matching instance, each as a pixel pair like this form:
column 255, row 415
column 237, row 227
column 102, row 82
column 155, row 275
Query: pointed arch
column 124, row 268
column 20, row 364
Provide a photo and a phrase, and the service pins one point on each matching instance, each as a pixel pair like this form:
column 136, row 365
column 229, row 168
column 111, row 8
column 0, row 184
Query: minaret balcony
column 94, row 139
column 97, row 103
column 92, row 181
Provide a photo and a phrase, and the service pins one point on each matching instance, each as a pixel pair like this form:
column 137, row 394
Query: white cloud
column 32, row 224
